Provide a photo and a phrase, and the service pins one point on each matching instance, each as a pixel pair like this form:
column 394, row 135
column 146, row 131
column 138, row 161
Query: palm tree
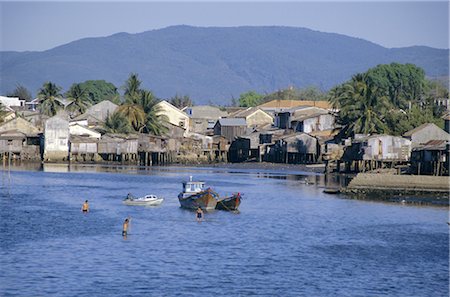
column 362, row 106
column 134, row 114
column 155, row 122
column 2, row 112
column 49, row 96
column 132, row 88
column 117, row 123
column 80, row 99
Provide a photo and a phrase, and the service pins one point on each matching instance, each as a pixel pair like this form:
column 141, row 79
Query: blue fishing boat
column 195, row 195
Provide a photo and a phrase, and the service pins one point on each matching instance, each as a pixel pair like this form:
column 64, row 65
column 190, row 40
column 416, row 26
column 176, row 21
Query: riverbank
column 400, row 188
column 316, row 168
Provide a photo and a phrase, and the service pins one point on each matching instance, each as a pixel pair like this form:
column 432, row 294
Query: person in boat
column 125, row 226
column 129, row 196
column 85, row 207
column 199, row 214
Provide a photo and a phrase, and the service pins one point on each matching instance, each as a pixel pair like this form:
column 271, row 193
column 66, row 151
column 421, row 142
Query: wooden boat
column 147, row 200
column 230, row 203
column 331, row 191
column 195, row 195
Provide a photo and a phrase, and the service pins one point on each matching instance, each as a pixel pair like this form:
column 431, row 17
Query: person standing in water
column 199, row 214
column 85, row 207
column 125, row 226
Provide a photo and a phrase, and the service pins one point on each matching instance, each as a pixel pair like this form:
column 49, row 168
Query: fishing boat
column 147, row 200
column 230, row 203
column 195, row 195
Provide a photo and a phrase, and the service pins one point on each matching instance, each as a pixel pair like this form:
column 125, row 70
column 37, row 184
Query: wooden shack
column 230, row 127
column 254, row 117
column 155, row 150
column 376, row 151
column 118, row 148
column 431, row 158
column 203, row 117
column 83, row 148
column 220, row 148
column 297, row 148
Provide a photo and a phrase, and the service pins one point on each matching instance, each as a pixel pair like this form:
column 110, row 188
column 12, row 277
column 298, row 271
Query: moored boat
column 195, row 195
column 147, row 200
column 229, row 203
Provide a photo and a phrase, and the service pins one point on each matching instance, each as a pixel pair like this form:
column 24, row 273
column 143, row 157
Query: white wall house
column 12, row 101
column 175, row 116
column 56, row 134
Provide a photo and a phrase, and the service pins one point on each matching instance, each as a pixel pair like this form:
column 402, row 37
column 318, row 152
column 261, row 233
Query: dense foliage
column 49, row 96
column 99, row 90
column 252, row 98
column 79, row 98
column 390, row 98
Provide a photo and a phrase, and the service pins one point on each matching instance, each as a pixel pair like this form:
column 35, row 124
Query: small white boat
column 147, row 200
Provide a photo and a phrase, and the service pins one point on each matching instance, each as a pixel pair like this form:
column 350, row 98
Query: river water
column 289, row 239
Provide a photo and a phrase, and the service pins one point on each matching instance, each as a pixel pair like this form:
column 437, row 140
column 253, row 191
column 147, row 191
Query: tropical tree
column 181, row 101
column 132, row 88
column 49, row 96
column 362, row 109
column 117, row 123
column 99, row 90
column 21, row 92
column 80, row 99
column 134, row 114
column 2, row 113
column 155, row 122
column 250, row 99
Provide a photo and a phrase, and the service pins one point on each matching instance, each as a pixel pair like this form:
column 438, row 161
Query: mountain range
column 212, row 64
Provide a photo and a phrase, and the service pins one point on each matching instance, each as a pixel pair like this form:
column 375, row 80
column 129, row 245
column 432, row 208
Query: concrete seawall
column 400, row 188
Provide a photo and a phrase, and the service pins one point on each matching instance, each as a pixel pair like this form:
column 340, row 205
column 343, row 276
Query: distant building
column 297, row 148
column 426, row 132
column 203, row 117
column 230, row 127
column 275, row 106
column 20, row 139
column 96, row 114
column 254, row 116
column 56, row 138
column 431, row 158
column 174, row 115
column 12, row 102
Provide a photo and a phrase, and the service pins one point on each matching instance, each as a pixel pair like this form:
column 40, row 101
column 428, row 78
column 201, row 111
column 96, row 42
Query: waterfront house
column 174, row 115
column 155, row 150
column 431, row 158
column 119, row 148
column 311, row 120
column 426, row 132
column 20, row 139
column 96, row 115
column 230, row 127
column 56, row 138
column 446, row 118
column 79, row 130
column 297, row 148
column 254, row 117
column 220, row 148
column 83, row 148
column 376, row 151
column 203, row 117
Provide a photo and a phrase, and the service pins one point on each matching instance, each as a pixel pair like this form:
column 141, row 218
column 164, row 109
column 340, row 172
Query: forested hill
column 212, row 64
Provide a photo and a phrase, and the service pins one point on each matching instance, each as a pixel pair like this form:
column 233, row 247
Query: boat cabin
column 193, row 186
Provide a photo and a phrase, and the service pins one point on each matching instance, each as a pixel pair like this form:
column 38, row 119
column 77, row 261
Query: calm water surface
column 289, row 239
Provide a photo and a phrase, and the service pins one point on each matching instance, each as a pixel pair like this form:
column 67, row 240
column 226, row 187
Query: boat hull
column 207, row 200
column 154, row 202
column 230, row 203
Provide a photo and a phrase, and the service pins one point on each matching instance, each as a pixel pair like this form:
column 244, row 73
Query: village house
column 305, row 119
column 253, row 146
column 19, row 139
column 431, row 158
column 220, row 148
column 203, row 117
column 254, row 116
column 95, row 116
column 118, row 148
column 12, row 102
column 297, row 148
column 56, row 138
column 175, row 116
column 155, row 150
column 424, row 133
column 83, row 143
column 376, row 151
column 230, row 127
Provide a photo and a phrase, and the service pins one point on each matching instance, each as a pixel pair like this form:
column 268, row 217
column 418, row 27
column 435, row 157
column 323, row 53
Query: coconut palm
column 155, row 122
column 117, row 123
column 80, row 99
column 49, row 96
column 362, row 106
column 132, row 88
column 134, row 114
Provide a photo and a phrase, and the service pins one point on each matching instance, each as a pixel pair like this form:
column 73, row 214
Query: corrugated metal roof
column 294, row 103
column 233, row 122
column 417, row 129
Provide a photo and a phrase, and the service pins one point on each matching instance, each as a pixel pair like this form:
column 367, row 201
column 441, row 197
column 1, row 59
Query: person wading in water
column 85, row 207
column 199, row 214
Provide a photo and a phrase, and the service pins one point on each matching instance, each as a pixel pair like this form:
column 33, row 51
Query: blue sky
column 42, row 25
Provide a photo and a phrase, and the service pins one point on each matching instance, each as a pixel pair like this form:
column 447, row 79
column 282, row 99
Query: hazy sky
column 43, row 25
